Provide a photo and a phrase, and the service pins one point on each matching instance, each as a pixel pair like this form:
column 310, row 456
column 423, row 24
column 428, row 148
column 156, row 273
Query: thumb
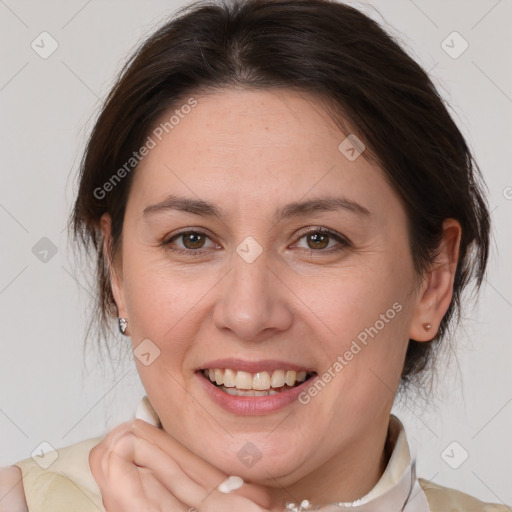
column 255, row 493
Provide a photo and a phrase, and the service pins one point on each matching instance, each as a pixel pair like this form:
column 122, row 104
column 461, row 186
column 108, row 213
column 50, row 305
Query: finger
column 112, row 485
column 97, row 452
column 166, row 470
column 133, row 488
column 118, row 484
column 196, row 467
column 200, row 471
column 177, row 482
column 159, row 495
column 229, row 503
column 99, row 459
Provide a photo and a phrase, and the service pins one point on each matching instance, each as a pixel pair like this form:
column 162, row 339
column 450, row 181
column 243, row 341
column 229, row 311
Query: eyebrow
column 296, row 209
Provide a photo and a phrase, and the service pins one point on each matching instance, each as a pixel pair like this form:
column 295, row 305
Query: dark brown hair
column 320, row 47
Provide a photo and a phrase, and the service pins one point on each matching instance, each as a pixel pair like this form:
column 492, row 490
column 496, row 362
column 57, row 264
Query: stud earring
column 123, row 325
column 427, row 327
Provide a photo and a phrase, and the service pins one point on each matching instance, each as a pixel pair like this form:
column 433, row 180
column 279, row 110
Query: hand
column 140, row 467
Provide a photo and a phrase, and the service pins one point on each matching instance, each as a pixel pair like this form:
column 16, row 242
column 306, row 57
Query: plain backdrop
column 52, row 391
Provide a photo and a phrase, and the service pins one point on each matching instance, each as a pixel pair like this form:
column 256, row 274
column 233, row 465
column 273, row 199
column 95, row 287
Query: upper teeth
column 259, row 381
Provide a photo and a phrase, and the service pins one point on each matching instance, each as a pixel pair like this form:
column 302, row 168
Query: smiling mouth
column 264, row 383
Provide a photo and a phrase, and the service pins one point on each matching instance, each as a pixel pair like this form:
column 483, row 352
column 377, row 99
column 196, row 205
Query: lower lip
column 252, row 405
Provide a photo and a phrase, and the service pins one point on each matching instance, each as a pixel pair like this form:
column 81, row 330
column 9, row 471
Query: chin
column 244, row 458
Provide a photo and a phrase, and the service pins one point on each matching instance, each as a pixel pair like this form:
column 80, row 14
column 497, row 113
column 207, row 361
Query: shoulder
column 443, row 499
column 61, row 480
column 12, row 495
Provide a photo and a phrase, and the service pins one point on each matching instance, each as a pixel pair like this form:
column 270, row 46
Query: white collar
column 398, row 488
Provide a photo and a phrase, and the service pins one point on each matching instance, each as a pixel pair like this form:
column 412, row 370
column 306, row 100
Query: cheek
column 351, row 301
column 160, row 297
column 365, row 316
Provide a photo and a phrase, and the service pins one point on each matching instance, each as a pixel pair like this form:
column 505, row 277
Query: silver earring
column 123, row 325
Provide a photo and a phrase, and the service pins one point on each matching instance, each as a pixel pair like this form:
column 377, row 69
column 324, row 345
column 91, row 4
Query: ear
column 436, row 290
column 114, row 268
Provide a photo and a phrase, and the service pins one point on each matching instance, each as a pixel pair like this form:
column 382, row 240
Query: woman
column 285, row 217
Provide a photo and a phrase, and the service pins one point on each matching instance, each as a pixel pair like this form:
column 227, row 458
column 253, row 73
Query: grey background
column 51, row 391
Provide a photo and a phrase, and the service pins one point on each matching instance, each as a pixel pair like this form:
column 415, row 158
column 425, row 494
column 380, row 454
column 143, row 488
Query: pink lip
column 253, row 366
column 252, row 405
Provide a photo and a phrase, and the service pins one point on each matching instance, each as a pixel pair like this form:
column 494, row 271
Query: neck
column 346, row 476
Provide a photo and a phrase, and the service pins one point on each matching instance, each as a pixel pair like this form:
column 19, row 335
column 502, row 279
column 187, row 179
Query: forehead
column 246, row 147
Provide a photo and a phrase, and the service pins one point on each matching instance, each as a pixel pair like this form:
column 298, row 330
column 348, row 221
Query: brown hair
column 320, row 47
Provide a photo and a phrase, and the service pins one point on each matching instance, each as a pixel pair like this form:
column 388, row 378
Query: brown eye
column 188, row 242
column 319, row 240
column 193, row 240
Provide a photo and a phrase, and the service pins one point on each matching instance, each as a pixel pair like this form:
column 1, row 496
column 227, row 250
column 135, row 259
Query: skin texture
column 140, row 467
column 301, row 300
column 12, row 496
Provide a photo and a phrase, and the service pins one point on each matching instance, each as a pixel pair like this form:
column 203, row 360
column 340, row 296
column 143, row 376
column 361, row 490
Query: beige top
column 67, row 484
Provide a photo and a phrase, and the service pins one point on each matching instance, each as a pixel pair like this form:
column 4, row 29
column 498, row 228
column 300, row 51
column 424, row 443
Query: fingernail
column 230, row 484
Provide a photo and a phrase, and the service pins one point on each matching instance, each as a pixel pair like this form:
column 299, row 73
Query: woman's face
column 251, row 172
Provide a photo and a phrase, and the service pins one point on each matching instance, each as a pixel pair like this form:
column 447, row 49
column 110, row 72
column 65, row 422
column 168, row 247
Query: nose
column 254, row 302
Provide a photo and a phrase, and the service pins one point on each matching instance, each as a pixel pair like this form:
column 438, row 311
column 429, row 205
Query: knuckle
column 138, row 425
column 127, row 445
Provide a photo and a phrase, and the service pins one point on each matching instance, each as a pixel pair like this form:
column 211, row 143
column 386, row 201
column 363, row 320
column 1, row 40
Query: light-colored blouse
column 67, row 485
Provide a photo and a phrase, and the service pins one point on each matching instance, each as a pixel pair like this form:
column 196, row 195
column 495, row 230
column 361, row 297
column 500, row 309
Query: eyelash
column 344, row 242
